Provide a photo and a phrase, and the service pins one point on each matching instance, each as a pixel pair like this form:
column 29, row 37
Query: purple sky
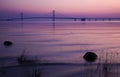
column 82, row 8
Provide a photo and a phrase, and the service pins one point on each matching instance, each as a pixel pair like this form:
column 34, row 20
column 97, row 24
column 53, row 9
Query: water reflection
column 57, row 42
column 53, row 24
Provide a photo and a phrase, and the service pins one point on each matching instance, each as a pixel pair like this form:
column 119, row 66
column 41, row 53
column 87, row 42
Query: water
column 61, row 42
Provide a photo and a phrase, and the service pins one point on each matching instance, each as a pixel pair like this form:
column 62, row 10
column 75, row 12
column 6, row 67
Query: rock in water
column 90, row 57
column 8, row 43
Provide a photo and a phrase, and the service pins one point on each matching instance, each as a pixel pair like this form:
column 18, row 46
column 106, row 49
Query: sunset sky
column 90, row 8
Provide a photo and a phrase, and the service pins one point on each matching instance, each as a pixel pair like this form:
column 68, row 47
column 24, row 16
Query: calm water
column 60, row 42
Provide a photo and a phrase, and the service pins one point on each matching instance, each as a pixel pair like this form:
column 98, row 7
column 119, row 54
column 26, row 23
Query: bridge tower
column 53, row 15
column 21, row 16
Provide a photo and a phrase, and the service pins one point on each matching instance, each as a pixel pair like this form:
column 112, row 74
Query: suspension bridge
column 53, row 17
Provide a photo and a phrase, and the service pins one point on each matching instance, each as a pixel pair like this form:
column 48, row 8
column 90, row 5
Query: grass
column 34, row 72
column 105, row 67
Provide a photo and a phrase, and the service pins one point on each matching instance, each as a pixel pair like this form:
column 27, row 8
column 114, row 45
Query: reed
column 34, row 72
column 3, row 71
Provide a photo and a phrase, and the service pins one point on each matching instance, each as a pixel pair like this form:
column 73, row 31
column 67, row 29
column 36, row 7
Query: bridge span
column 53, row 17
